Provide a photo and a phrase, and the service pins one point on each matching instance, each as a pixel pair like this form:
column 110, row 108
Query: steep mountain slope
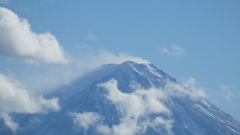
column 128, row 99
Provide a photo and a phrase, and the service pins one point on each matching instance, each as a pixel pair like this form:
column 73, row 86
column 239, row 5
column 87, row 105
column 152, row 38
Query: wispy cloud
column 18, row 41
column 9, row 122
column 14, row 99
column 96, row 58
column 189, row 88
column 228, row 93
column 83, row 60
column 91, row 36
column 4, row 1
column 174, row 50
column 226, row 97
column 84, row 46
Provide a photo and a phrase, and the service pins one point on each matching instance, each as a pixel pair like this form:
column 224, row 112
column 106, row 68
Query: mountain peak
column 127, row 72
column 108, row 101
column 128, row 63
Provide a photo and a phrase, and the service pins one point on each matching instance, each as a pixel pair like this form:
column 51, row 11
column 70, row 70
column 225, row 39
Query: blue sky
column 186, row 39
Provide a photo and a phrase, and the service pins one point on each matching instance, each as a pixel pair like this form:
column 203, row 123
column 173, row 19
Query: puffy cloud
column 103, row 129
column 18, row 41
column 14, row 99
column 136, row 107
column 133, row 107
column 173, row 51
column 127, row 126
column 133, row 104
column 85, row 120
column 144, row 102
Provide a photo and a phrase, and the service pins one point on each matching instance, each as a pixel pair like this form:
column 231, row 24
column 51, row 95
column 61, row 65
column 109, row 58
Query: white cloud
column 143, row 102
column 18, row 41
column 173, row 51
column 85, row 120
column 103, row 129
column 9, row 122
column 96, row 58
column 159, row 121
column 85, row 60
column 14, row 99
column 127, row 126
column 134, row 106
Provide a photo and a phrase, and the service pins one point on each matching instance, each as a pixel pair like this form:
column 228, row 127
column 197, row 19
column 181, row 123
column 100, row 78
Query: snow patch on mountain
column 153, row 70
column 234, row 130
column 204, row 111
column 127, row 99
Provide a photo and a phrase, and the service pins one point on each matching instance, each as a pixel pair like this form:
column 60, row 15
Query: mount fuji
column 127, row 99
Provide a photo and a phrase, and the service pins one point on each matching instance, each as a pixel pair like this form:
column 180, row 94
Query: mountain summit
column 128, row 99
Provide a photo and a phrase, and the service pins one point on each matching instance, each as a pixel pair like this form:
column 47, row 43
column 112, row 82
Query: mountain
column 127, row 99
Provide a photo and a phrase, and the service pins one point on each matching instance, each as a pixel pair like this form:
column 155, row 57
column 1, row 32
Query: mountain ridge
column 125, row 99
